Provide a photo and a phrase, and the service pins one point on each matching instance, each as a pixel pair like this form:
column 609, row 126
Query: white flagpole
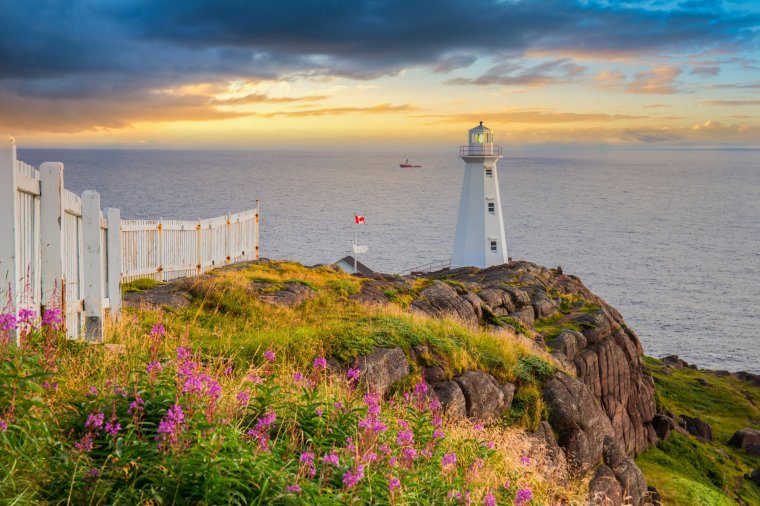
column 355, row 243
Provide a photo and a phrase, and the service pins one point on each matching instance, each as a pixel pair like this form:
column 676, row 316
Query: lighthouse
column 479, row 240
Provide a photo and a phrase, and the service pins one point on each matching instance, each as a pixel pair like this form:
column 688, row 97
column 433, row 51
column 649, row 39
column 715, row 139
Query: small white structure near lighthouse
column 480, row 239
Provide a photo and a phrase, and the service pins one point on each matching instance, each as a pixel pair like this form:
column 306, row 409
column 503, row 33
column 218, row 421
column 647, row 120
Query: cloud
column 659, row 80
column 732, row 102
column 21, row 113
column 534, row 116
column 259, row 98
column 514, row 73
column 706, row 70
column 338, row 111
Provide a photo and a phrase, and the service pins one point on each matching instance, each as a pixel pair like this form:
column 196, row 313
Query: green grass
column 551, row 326
column 139, row 285
column 687, row 471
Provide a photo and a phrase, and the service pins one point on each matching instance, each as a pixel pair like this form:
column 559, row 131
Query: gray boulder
column 508, row 389
column 569, row 342
column 745, row 437
column 604, row 489
column 452, row 399
column 525, row 314
column 170, row 295
column 484, row 398
column 292, row 295
column 628, row 474
column 440, row 300
column 755, row 476
column 544, row 435
column 663, row 425
column 697, row 428
column 578, row 419
column 382, row 368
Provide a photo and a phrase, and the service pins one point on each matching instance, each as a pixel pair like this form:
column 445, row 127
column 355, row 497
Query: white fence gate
column 59, row 249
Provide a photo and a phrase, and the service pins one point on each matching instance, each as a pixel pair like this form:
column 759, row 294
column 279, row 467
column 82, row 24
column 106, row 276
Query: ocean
column 669, row 237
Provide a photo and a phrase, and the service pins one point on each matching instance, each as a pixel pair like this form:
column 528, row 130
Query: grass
column 139, row 285
column 226, row 318
column 220, row 454
column 687, row 471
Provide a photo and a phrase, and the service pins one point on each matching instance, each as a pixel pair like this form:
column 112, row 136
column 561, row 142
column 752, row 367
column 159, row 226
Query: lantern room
column 481, row 135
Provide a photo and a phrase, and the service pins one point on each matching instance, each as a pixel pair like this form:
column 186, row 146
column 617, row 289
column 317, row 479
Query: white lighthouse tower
column 479, row 239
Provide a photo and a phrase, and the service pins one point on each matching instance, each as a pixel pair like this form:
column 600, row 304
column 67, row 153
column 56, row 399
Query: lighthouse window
column 491, row 207
column 489, row 172
column 493, row 246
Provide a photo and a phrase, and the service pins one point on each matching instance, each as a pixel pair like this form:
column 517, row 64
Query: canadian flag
column 359, row 219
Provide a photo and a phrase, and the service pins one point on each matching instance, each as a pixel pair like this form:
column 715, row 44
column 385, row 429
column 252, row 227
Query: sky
column 353, row 74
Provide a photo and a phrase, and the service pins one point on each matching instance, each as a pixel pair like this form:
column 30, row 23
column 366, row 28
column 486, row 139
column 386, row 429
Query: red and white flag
column 359, row 219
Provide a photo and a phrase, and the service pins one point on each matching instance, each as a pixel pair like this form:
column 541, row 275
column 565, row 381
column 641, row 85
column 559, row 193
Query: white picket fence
column 59, row 249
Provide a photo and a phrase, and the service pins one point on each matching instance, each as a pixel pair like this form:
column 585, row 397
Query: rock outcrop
column 578, row 420
column 591, row 336
column 697, row 428
column 382, row 368
column 745, row 438
column 440, row 300
column 291, row 295
column 484, row 398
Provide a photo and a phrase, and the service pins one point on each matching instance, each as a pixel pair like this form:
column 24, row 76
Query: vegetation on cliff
column 232, row 400
column 688, row 471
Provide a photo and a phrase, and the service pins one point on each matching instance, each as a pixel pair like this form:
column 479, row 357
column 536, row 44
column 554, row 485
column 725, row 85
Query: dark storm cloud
column 90, row 50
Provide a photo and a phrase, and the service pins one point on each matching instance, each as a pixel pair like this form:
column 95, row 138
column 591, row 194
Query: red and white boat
column 407, row 165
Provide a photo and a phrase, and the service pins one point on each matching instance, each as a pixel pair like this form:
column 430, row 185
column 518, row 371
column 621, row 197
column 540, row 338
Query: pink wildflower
column 297, row 377
column 95, row 421
column 421, row 389
column 52, row 317
column 489, row 500
column 136, row 405
column 449, row 459
column 319, row 411
column 153, row 367
column 8, row 322
column 524, row 496
column 3, row 425
column 171, row 425
column 158, row 330
column 243, row 398
column 307, row 457
column 353, row 374
column 331, row 458
column 92, row 391
column 350, row 479
column 270, row 356
column 525, row 460
column 409, row 453
column 294, row 489
column 405, row 437
column 320, row 363
column 438, row 434
column 254, row 379
column 393, row 483
column 112, row 428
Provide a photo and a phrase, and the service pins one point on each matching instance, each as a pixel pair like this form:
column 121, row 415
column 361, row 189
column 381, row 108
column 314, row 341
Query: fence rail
column 60, row 249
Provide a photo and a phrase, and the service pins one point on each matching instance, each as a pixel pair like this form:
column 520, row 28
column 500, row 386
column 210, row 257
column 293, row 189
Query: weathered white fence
column 170, row 249
column 59, row 249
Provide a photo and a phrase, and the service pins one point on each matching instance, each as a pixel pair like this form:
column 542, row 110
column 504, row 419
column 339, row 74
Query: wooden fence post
column 9, row 257
column 257, row 229
column 161, row 249
column 114, row 262
column 198, row 264
column 93, row 291
column 51, row 234
column 228, row 241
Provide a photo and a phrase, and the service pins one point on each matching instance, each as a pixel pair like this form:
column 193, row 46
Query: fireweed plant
column 177, row 427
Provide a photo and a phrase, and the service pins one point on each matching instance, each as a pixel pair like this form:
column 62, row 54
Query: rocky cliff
column 587, row 336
